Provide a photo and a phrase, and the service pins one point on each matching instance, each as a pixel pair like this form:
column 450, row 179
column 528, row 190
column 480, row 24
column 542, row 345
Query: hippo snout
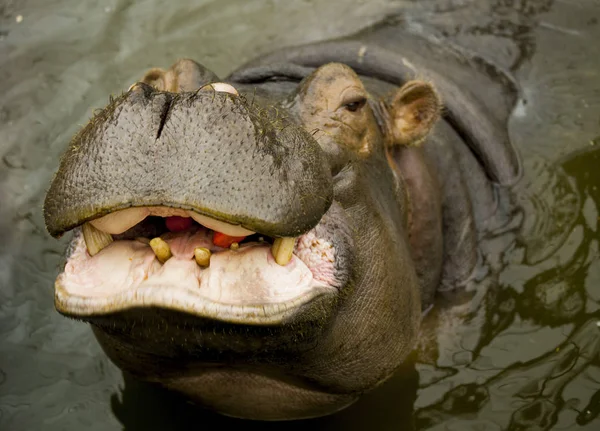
column 217, row 154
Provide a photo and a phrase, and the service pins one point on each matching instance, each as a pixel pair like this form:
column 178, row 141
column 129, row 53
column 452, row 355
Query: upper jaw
column 246, row 285
column 215, row 154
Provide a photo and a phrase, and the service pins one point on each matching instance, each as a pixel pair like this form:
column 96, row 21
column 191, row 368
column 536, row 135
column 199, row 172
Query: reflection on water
column 534, row 351
column 524, row 396
column 519, row 349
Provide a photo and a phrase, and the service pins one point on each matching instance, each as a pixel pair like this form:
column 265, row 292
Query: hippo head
column 246, row 246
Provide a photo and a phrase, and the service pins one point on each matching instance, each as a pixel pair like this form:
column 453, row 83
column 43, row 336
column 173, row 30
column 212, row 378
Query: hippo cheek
column 377, row 321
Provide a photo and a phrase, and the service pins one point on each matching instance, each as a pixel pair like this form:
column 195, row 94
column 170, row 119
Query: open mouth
column 178, row 259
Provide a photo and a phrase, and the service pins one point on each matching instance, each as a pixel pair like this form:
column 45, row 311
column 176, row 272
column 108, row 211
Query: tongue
column 180, row 224
column 223, row 240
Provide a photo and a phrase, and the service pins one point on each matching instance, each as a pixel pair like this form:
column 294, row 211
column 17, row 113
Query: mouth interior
column 128, row 272
column 157, row 226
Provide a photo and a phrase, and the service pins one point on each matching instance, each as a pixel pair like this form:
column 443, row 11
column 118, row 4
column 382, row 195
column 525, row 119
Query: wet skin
column 352, row 159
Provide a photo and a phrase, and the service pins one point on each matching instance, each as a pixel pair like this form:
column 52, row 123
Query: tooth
column 219, row 226
column 95, row 239
column 202, row 256
column 119, row 221
column 224, row 88
column 282, row 250
column 166, row 212
column 161, row 249
column 234, row 246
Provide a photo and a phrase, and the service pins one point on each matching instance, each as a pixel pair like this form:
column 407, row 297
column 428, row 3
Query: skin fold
column 394, row 160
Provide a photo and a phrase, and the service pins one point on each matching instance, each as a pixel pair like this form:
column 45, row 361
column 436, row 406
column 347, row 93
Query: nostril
column 140, row 89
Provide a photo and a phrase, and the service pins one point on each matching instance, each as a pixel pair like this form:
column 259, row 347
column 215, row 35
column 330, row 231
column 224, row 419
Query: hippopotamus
column 267, row 243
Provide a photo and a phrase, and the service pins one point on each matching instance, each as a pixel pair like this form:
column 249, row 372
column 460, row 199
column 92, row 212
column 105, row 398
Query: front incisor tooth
column 95, row 240
column 282, row 250
column 202, row 256
column 161, row 249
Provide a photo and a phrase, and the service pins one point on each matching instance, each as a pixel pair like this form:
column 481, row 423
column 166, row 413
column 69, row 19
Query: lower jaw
column 270, row 301
column 175, row 336
column 209, row 361
column 231, row 380
column 311, row 313
column 245, row 394
column 169, row 298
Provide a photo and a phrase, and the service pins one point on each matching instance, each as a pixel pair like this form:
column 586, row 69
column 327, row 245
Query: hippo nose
column 213, row 152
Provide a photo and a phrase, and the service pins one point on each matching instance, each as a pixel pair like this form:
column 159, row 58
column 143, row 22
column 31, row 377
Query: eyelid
column 352, row 95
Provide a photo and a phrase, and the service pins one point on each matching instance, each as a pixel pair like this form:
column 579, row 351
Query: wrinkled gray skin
column 405, row 219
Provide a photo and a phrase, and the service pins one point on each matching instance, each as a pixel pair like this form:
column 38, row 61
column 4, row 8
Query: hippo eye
column 355, row 104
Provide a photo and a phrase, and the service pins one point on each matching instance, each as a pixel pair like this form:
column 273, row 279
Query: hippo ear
column 184, row 75
column 413, row 110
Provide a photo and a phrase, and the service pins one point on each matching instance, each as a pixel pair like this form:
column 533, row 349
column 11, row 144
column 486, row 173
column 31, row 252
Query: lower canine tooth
column 282, row 250
column 161, row 249
column 95, row 240
column 202, row 256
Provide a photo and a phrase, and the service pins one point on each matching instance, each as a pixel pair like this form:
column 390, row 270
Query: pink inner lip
column 247, row 276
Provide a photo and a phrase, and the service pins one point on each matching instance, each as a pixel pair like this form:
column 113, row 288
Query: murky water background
column 519, row 350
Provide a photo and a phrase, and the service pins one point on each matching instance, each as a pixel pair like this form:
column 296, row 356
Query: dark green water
column 520, row 349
